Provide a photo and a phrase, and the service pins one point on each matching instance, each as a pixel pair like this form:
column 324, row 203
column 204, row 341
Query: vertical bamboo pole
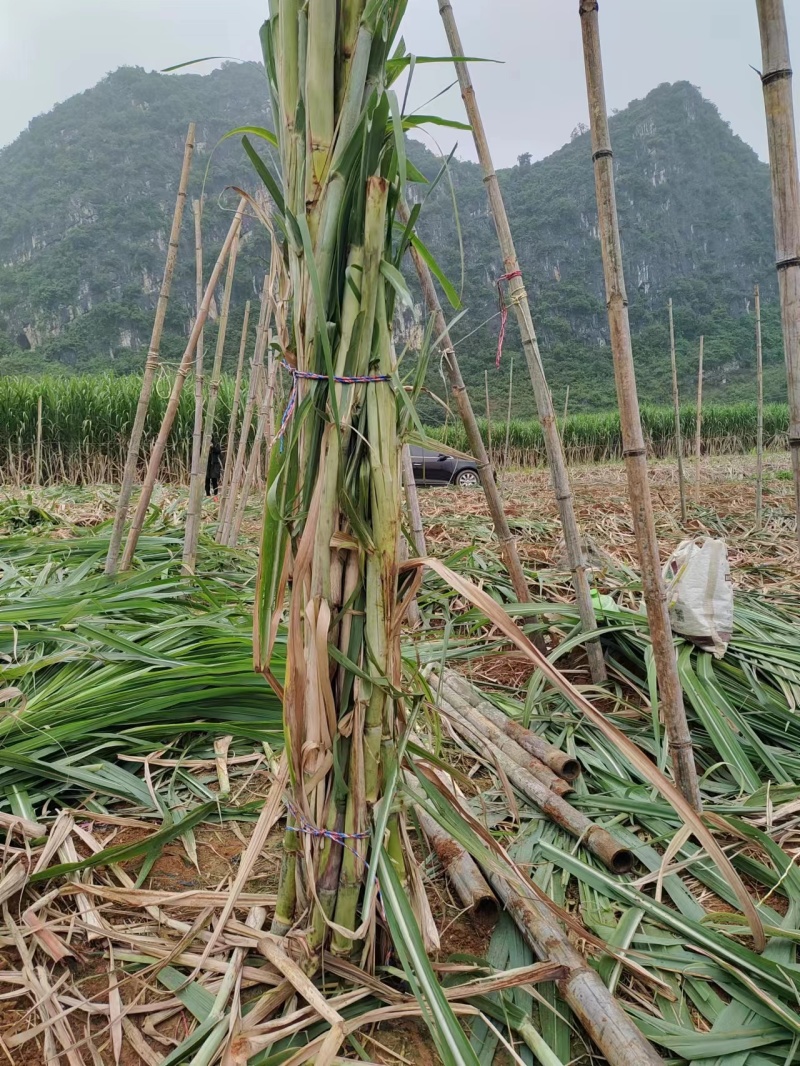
column 777, row 82
column 759, row 416
column 698, row 426
column 566, row 409
column 508, row 413
column 151, row 364
column 252, row 466
column 157, row 453
column 234, row 414
column 634, row 451
column 412, row 503
column 505, row 538
column 226, row 519
column 676, row 403
column 197, row 491
column 197, row 434
column 519, row 301
column 37, row 474
column 488, row 415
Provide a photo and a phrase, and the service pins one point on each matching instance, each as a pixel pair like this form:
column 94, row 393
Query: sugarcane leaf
column 412, row 121
column 428, row 258
column 263, row 172
column 450, row 1039
column 398, row 282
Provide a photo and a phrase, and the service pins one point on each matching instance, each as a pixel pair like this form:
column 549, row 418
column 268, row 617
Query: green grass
column 86, row 422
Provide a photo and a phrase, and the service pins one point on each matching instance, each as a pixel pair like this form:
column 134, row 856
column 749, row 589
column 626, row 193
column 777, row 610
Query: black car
column 436, row 468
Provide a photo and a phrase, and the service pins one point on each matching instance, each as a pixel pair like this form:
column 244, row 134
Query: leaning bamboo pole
column 634, row 450
column 488, row 416
column 505, row 538
column 781, row 137
column 197, row 432
column 759, row 415
column 676, row 403
column 698, row 425
column 195, row 511
column 234, row 413
column 544, row 403
column 151, row 364
column 227, row 515
column 160, row 445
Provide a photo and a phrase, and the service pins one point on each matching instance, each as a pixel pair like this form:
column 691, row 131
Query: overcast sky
column 50, row 49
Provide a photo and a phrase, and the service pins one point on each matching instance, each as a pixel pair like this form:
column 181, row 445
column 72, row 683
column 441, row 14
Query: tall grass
column 86, row 424
column 87, row 420
column 728, row 429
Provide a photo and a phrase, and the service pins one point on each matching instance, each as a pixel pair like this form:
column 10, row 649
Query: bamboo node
column 633, row 453
column 602, row 153
column 776, row 75
column 790, row 261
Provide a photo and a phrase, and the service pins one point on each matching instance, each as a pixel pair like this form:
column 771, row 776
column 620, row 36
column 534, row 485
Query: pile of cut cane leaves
column 134, row 727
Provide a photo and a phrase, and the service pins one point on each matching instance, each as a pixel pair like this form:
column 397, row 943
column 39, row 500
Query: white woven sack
column 700, row 593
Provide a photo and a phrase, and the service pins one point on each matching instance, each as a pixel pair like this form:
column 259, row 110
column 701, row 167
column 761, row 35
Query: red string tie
column 503, row 313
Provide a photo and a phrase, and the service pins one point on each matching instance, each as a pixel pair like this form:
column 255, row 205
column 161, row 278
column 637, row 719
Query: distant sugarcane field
column 87, row 419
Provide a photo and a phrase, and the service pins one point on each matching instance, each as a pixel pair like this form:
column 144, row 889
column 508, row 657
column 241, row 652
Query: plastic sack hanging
column 700, row 593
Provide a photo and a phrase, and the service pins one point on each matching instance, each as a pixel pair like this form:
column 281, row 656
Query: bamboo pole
column 558, row 761
column 37, row 474
column 519, row 301
column 505, row 538
column 226, row 519
column 634, row 451
column 781, row 137
column 151, row 364
column 600, row 1014
column 566, row 409
column 698, row 425
column 197, row 434
column 157, row 453
column 676, row 403
column 459, row 867
column 508, row 413
column 488, row 416
column 412, row 504
column 759, row 416
column 195, row 512
column 252, row 465
column 234, row 413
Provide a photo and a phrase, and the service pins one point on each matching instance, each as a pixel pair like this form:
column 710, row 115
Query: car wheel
column 468, row 479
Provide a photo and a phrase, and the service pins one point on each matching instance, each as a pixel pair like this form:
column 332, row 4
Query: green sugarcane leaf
column 450, row 1039
column 447, row 287
column 398, row 282
column 263, row 172
column 410, row 122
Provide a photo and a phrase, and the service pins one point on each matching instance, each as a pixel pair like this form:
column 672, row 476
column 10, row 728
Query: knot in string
column 315, row 832
column 309, row 375
column 503, row 312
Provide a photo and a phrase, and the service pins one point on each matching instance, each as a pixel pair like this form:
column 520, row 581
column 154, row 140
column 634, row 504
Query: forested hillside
column 86, row 195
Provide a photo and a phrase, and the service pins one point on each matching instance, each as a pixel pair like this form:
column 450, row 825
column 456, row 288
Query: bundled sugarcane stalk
column 334, row 486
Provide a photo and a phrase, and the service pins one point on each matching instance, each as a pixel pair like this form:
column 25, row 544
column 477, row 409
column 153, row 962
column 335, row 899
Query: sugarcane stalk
column 676, row 403
column 698, row 428
column 505, row 538
column 234, row 413
column 227, row 517
column 478, row 725
column 599, row 1012
column 159, row 447
column 460, row 868
column 544, row 403
column 759, row 416
column 634, row 451
column 558, row 761
column 776, row 80
column 150, row 366
column 196, row 473
column 594, row 838
column 198, row 489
